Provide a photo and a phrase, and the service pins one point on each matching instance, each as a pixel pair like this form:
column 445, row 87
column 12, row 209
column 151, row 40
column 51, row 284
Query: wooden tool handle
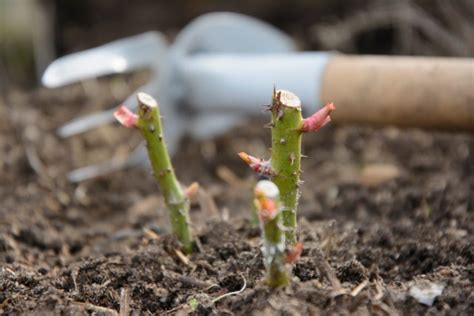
column 406, row 91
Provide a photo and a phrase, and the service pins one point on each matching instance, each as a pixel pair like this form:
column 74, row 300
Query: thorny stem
column 267, row 204
column 149, row 123
column 284, row 167
column 286, row 155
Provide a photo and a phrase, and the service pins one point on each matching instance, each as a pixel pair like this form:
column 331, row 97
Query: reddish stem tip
column 126, row 117
column 319, row 119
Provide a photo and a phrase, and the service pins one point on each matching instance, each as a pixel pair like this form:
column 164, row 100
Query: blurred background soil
column 383, row 211
column 34, row 32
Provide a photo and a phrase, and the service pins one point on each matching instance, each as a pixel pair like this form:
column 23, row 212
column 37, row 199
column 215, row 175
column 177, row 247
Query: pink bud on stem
column 294, row 253
column 260, row 166
column 126, row 117
column 316, row 121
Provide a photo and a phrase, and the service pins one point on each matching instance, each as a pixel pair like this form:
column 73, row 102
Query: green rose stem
column 267, row 205
column 148, row 122
column 284, row 167
column 286, row 155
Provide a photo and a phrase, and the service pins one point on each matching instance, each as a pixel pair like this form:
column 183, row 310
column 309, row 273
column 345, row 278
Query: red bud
column 126, row 117
column 294, row 254
column 258, row 165
column 318, row 119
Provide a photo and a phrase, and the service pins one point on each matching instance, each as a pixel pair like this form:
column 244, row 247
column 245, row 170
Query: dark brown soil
column 381, row 209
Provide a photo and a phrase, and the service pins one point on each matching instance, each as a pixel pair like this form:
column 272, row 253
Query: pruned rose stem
column 268, row 208
column 284, row 167
column 286, row 155
column 149, row 124
column 287, row 127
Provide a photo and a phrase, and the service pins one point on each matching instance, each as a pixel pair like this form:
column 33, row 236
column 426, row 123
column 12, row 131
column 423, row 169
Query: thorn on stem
column 292, row 158
column 267, row 107
column 269, row 125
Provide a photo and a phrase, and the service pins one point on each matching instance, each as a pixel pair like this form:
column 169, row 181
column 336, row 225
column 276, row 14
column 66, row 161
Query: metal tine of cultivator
column 137, row 157
column 208, row 34
column 121, row 56
column 142, row 51
column 91, row 121
column 133, row 53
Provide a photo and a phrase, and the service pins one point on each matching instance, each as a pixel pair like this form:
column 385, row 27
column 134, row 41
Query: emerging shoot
column 148, row 122
column 267, row 205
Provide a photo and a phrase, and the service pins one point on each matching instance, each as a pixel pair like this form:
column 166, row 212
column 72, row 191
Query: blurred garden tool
column 223, row 66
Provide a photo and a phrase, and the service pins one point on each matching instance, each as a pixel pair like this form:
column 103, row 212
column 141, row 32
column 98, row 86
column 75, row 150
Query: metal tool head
column 208, row 34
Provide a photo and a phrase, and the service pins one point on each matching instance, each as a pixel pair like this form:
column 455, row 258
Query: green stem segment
column 267, row 204
column 149, row 123
column 286, row 155
column 284, row 167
